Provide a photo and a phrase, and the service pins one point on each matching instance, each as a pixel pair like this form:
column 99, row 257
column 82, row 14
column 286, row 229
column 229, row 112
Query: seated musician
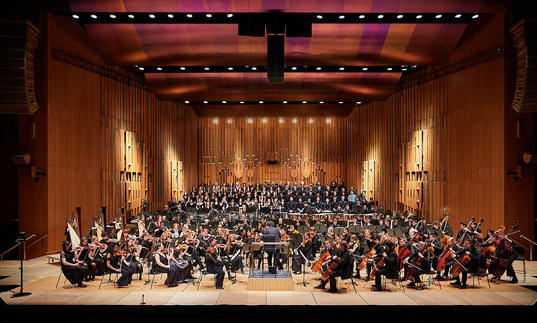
column 390, row 268
column 379, row 251
column 214, row 264
column 72, row 268
column 471, row 267
column 451, row 245
column 356, row 250
column 343, row 269
column 163, row 265
column 134, row 252
column 233, row 250
column 413, row 265
column 302, row 254
column 116, row 262
column 98, row 256
column 87, row 258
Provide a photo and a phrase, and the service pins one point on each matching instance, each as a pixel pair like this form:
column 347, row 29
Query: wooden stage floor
column 41, row 277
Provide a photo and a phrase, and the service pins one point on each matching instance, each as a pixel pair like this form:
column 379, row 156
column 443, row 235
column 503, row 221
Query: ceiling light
column 254, row 68
column 205, row 102
column 215, row 121
column 151, row 16
column 364, row 68
column 94, row 16
column 281, row 120
column 284, row 102
column 187, row 102
column 342, row 68
column 319, row 17
column 361, row 16
column 159, row 68
column 224, row 102
column 419, row 16
column 475, row 16
column 403, row 69
column 294, row 120
column 261, row 102
column 304, row 102
column 113, row 16
column 414, row 66
column 229, row 121
column 141, row 68
column 230, row 68
column 359, row 102
column 170, row 15
column 341, row 17
column 389, row 68
column 130, row 16
column 321, row 102
column 380, row 16
column 328, row 120
column 229, row 15
column 310, row 120
column 208, row 15
column 189, row 15
column 250, row 120
column 458, row 15
column 293, row 68
column 264, row 120
column 182, row 68
column 206, row 68
column 242, row 102
column 399, row 16
column 318, row 68
column 340, row 102
column 438, row 16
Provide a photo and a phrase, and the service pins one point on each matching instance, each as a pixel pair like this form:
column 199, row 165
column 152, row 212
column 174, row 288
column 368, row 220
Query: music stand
column 21, row 240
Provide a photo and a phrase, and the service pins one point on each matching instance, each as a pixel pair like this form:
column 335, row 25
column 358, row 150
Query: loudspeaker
column 21, row 160
column 248, row 26
column 275, row 58
column 18, row 44
column 524, row 35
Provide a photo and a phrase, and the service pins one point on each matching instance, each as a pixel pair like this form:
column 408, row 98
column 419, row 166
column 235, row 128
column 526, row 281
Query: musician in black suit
column 343, row 269
column 214, row 264
column 390, row 268
column 272, row 234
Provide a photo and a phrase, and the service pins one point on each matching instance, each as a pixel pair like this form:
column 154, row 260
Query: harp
column 119, row 222
column 73, row 226
column 98, row 223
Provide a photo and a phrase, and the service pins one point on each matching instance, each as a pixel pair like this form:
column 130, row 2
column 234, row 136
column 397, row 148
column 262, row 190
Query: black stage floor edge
column 246, row 313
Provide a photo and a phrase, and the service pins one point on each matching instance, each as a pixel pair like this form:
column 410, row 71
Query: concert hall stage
column 41, row 278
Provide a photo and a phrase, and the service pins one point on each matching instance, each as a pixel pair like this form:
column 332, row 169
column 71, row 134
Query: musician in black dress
column 86, row 256
column 116, row 262
column 390, row 268
column 302, row 254
column 98, row 256
column 343, row 269
column 73, row 270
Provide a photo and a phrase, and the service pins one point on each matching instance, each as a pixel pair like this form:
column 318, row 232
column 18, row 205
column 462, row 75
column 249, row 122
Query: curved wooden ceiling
column 330, row 44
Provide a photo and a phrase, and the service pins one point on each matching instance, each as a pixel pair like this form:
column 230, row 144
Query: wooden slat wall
column 109, row 143
column 226, row 139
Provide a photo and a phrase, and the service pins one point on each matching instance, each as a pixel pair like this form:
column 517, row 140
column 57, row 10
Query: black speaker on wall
column 524, row 35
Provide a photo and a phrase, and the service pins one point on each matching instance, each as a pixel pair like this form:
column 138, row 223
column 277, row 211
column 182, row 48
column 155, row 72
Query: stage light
column 318, row 68
column 304, row 102
column 224, row 102
column 321, row 102
column 131, row 16
column 364, row 68
column 380, row 16
column 419, row 16
column 229, row 15
column 458, row 15
column 159, row 68
column 205, row 102
column 389, row 69
column 206, row 68
column 361, row 16
column 242, row 102
column 475, row 16
column 187, row 102
column 170, row 15
column 208, row 15
column 342, row 68
column 76, row 16
column 359, row 102
column 261, row 102
column 293, row 68
column 284, row 102
column 254, row 68
column 399, row 16
column 94, row 16
column 341, row 17
column 438, row 16
column 141, row 68
column 182, row 68
column 230, row 68
column 340, row 102
column 319, row 17
column 294, row 120
column 403, row 69
column 189, row 15
column 152, row 16
column 113, row 16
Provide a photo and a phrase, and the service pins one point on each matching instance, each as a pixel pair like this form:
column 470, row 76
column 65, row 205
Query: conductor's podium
column 259, row 280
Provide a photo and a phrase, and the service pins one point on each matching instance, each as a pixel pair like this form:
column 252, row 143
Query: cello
column 378, row 265
column 503, row 252
column 318, row 265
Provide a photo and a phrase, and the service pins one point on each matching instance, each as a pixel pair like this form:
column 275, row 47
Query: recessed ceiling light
column 151, row 16
column 284, row 102
column 458, row 15
column 361, row 16
column 380, row 16
column 321, row 102
column 254, row 68
column 261, row 102
column 229, row 15
column 94, row 16
column 76, row 16
column 364, row 68
column 224, row 102
column 304, row 102
column 340, row 102
column 189, row 15
column 310, row 120
column 318, row 68
column 206, row 68
column 341, row 17
column 399, row 16
column 359, row 102
column 229, row 120
column 170, row 15
column 319, row 17
column 230, row 68
column 281, row 120
column 242, row 102
column 414, row 66
column 182, row 68
column 141, row 68
column 389, row 69
column 159, row 68
column 130, row 16
column 475, row 16
column 342, row 68
column 438, row 16
column 419, row 16
column 113, row 16
column 187, row 102
column 293, row 68
column 205, row 102
column 208, row 15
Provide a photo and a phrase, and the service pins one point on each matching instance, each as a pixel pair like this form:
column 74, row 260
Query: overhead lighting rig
column 264, row 69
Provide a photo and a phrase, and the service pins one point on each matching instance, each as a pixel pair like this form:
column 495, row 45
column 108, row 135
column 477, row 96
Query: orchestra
column 335, row 231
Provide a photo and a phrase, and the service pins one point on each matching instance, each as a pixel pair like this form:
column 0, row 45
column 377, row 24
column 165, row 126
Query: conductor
column 272, row 234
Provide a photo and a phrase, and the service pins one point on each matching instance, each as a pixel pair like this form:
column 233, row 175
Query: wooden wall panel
column 239, row 148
